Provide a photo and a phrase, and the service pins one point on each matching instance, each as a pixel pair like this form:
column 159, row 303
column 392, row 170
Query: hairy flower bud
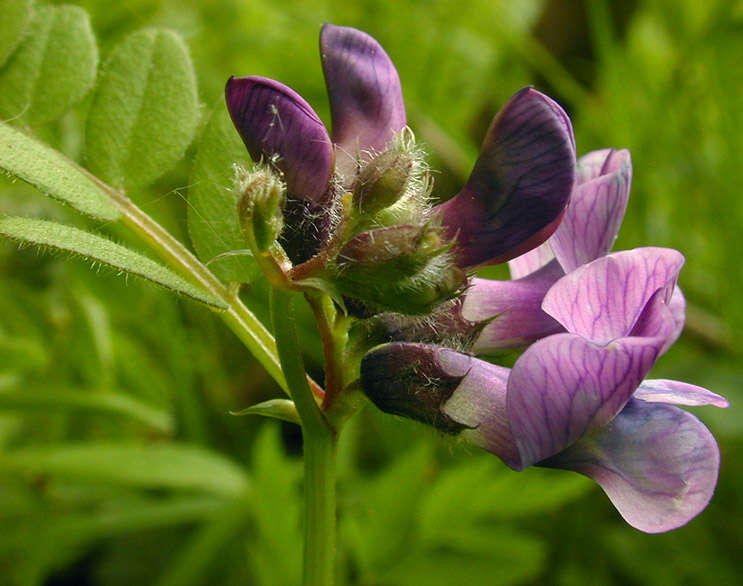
column 382, row 181
column 260, row 208
column 407, row 269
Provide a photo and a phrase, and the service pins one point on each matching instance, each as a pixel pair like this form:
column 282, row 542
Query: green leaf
column 106, row 402
column 144, row 111
column 282, row 409
column 16, row 14
column 167, row 465
column 52, row 69
column 50, row 234
column 53, row 174
column 212, row 212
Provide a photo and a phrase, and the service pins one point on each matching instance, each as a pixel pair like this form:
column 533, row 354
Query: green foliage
column 52, row 69
column 16, row 14
column 58, row 236
column 53, row 174
column 119, row 460
column 144, row 111
column 213, row 221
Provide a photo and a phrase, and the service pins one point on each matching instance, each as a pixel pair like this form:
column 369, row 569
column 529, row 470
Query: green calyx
column 260, row 207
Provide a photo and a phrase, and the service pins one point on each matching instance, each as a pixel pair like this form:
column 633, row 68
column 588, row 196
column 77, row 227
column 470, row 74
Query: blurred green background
column 119, row 460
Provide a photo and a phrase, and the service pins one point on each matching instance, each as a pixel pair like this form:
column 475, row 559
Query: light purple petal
column 595, row 212
column 479, row 403
column 531, row 261
column 516, row 307
column 563, row 387
column 520, row 184
column 592, row 165
column 677, row 306
column 604, row 299
column 278, row 126
column 658, row 464
column 364, row 90
column 677, row 393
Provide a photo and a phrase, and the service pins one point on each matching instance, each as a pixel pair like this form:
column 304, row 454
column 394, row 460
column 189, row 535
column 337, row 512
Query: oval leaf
column 167, row 465
column 53, row 174
column 52, row 69
column 16, row 14
column 50, row 234
column 213, row 222
column 145, row 109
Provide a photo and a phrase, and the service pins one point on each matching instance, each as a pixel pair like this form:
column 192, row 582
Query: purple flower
column 577, row 400
column 512, row 202
column 587, row 232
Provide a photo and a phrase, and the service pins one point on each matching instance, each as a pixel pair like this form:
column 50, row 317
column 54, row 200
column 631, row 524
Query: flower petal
column 604, row 299
column 531, row 261
column 520, row 185
column 515, row 308
column 563, row 387
column 364, row 90
column 280, row 127
column 657, row 463
column 595, row 212
column 592, row 165
column 479, row 403
column 678, row 393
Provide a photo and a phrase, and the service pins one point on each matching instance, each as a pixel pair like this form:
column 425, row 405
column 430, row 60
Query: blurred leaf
column 167, row 465
column 53, row 174
column 16, row 14
column 52, row 69
column 481, row 557
column 381, row 518
column 274, row 555
column 50, row 234
column 144, row 111
column 19, row 354
column 105, row 402
column 213, row 222
column 482, row 488
column 282, row 409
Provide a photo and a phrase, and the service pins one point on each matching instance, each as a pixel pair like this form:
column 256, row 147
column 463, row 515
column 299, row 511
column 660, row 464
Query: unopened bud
column 406, row 269
column 382, row 181
column 260, row 208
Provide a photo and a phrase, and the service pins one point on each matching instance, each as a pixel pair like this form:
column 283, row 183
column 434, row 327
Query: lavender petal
column 678, row 393
column 657, row 463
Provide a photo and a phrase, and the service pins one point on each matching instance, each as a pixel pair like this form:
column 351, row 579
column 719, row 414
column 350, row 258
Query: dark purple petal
column 658, row 464
column 278, row 126
column 364, row 89
column 595, row 212
column 531, row 261
column 563, row 387
column 520, row 185
column 677, row 393
column 515, row 308
column 479, row 403
column 604, row 299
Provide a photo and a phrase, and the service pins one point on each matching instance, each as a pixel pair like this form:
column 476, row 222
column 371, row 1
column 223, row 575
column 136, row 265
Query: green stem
column 319, row 448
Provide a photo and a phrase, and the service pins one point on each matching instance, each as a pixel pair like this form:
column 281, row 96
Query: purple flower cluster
column 594, row 322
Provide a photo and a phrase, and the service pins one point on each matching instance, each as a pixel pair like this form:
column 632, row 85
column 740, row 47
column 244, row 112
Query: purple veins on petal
column 519, row 186
column 604, row 299
column 364, row 90
column 657, row 463
column 563, row 387
column 279, row 127
column 595, row 212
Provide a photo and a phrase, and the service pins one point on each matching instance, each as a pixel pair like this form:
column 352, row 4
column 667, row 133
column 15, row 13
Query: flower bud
column 260, row 208
column 382, row 181
column 406, row 269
